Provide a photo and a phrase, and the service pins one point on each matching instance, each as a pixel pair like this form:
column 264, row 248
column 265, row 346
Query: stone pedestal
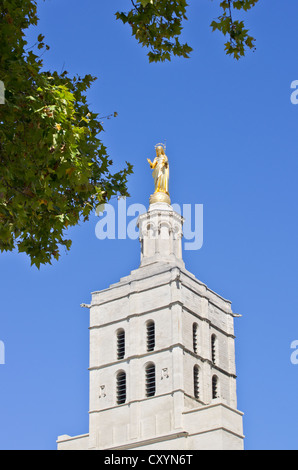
column 160, row 197
column 160, row 236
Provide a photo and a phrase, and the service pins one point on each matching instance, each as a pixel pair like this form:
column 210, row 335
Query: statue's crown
column 161, row 145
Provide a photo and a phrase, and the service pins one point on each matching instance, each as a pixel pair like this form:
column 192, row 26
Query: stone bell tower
column 162, row 355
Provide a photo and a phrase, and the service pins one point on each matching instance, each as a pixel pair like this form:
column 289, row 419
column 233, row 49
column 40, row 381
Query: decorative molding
column 160, row 351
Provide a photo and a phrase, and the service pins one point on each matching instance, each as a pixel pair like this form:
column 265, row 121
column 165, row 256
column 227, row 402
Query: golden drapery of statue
column 161, row 171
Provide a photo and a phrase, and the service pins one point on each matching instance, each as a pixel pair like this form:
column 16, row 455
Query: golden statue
column 160, row 166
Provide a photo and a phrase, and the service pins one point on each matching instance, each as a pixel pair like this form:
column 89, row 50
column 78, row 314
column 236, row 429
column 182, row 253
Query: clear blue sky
column 231, row 133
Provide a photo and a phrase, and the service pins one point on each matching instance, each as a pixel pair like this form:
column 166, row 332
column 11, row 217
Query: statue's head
column 160, row 149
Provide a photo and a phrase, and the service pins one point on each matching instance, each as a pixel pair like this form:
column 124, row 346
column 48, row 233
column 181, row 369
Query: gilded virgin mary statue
column 160, row 166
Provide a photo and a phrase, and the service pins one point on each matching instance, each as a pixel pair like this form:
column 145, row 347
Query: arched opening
column 215, row 393
column 150, row 386
column 214, row 349
column 120, row 344
column 150, row 326
column 195, row 331
column 121, row 387
column 196, row 381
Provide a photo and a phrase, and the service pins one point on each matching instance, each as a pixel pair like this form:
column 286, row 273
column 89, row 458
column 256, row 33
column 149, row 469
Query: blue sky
column 231, row 133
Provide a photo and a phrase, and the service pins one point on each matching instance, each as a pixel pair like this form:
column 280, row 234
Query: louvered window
column 214, row 387
column 195, row 337
column 121, row 387
column 150, row 336
column 150, row 380
column 196, row 381
column 213, row 349
column 120, row 344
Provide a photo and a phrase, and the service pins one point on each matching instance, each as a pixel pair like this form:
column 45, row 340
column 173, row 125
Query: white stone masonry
column 162, row 354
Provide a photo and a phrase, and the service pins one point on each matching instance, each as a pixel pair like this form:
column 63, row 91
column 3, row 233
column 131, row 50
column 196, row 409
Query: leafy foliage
column 54, row 170
column 157, row 24
column 239, row 39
